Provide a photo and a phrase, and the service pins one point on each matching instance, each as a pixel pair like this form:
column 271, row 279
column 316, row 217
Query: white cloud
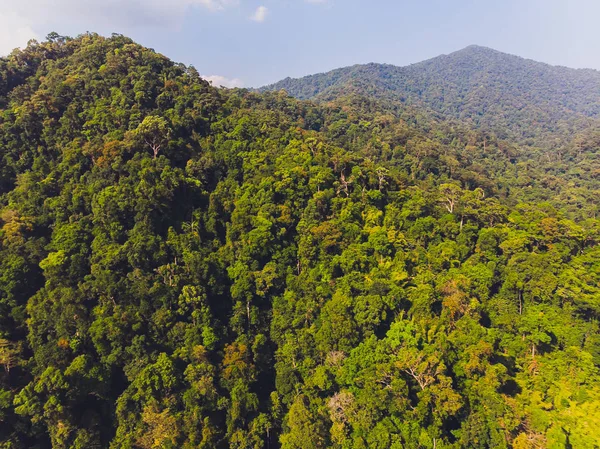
column 21, row 20
column 260, row 14
column 15, row 31
column 215, row 5
column 218, row 80
column 100, row 10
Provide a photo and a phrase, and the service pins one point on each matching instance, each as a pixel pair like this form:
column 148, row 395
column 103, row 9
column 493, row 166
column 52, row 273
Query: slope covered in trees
column 513, row 97
column 188, row 267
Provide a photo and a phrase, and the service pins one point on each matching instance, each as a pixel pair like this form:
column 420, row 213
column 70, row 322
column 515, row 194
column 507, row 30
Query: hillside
column 513, row 97
column 189, row 267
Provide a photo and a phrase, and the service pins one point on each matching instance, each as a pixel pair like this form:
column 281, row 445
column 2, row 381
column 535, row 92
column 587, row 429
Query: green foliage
column 188, row 267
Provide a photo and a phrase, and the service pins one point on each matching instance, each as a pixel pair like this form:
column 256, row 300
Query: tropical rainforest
column 184, row 266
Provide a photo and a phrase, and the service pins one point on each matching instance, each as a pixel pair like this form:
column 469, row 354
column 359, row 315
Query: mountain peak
column 479, row 50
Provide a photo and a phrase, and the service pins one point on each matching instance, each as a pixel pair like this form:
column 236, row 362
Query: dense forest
column 523, row 100
column 189, row 267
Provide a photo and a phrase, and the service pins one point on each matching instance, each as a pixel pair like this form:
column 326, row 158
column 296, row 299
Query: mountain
column 511, row 96
column 189, row 267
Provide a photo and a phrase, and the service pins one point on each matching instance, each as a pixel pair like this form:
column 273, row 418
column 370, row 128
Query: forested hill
column 190, row 267
column 514, row 97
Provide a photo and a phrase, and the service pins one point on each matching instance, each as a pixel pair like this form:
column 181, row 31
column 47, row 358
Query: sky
column 250, row 43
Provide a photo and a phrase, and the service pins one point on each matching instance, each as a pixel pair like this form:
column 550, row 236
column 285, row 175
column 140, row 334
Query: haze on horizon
column 256, row 42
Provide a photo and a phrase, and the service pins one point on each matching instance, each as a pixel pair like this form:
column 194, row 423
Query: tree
column 304, row 430
column 154, row 132
column 451, row 194
column 8, row 355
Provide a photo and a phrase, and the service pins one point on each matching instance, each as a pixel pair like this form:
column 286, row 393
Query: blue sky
column 255, row 42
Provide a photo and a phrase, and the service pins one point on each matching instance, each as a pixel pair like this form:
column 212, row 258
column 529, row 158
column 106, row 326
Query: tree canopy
column 189, row 267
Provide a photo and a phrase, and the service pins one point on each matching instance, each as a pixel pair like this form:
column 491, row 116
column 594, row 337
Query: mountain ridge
column 471, row 47
column 518, row 98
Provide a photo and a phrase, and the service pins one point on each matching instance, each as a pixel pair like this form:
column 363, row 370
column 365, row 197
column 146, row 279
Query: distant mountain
column 515, row 97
